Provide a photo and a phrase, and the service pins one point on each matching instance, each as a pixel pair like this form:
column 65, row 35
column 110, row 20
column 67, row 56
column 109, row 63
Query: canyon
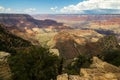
column 67, row 36
column 60, row 36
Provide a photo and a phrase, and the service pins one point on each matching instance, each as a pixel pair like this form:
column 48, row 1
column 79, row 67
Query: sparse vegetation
column 112, row 57
column 37, row 63
column 11, row 43
column 81, row 61
column 106, row 48
column 34, row 64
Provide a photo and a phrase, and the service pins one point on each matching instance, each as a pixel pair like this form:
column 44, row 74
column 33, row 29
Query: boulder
column 4, row 55
column 62, row 77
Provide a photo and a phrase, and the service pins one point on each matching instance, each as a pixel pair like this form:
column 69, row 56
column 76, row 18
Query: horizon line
column 58, row 14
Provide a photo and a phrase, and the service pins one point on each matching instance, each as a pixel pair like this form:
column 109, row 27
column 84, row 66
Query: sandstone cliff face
column 103, row 23
column 99, row 70
column 68, row 40
column 5, row 73
column 27, row 27
column 23, row 21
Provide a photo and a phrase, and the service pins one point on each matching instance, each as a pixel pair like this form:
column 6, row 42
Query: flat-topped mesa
column 14, row 15
column 16, row 20
column 20, row 21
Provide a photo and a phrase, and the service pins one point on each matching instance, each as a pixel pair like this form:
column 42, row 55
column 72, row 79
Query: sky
column 60, row 6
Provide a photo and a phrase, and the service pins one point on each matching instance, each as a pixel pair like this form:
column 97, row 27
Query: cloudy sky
column 60, row 6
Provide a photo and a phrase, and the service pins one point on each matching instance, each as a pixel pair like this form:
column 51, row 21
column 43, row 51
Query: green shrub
column 112, row 57
column 34, row 64
column 81, row 61
column 10, row 42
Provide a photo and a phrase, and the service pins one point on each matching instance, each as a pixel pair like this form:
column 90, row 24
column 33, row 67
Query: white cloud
column 92, row 5
column 3, row 9
column 54, row 8
column 10, row 10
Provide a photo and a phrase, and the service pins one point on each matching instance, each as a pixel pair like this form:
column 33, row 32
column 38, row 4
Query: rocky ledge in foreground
column 99, row 70
column 5, row 73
